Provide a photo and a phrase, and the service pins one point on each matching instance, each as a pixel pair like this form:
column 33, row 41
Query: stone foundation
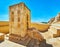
column 19, row 39
column 26, row 41
column 29, row 41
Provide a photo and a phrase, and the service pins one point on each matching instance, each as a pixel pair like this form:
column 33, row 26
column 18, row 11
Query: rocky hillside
column 52, row 36
column 55, row 27
column 51, row 20
column 55, row 19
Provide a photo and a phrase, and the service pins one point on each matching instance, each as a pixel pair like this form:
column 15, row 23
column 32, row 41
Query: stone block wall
column 19, row 20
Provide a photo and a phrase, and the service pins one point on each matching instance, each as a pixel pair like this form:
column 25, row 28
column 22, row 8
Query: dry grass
column 40, row 27
column 4, row 23
column 4, row 27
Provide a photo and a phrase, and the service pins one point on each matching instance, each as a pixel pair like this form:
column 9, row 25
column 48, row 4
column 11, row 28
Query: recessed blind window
column 12, row 16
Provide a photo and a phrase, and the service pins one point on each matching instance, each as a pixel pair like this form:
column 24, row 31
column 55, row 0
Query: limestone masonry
column 20, row 29
column 19, row 19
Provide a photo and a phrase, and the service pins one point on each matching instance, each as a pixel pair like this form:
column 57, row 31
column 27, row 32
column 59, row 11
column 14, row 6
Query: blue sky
column 41, row 10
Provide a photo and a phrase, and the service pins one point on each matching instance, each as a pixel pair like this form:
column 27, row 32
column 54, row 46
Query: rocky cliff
column 51, row 20
column 52, row 36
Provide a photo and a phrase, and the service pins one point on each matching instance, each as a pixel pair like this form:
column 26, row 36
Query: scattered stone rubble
column 55, row 27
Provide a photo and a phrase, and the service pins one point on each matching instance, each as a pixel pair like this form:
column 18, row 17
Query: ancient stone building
column 19, row 20
column 19, row 27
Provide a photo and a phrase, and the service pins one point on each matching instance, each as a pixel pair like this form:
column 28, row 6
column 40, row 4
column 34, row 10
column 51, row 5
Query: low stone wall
column 33, row 38
column 26, row 41
column 19, row 39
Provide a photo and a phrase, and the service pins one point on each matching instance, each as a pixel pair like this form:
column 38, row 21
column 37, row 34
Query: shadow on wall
column 1, row 41
column 44, row 44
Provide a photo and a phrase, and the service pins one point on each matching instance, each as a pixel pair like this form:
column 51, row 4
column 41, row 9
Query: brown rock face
column 19, row 20
column 20, row 29
column 55, row 27
column 57, row 18
column 51, row 20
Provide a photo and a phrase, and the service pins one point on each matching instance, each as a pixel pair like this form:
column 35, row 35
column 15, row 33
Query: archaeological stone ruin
column 19, row 27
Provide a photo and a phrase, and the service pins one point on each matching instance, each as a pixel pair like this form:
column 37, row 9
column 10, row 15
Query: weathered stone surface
column 31, row 38
column 19, row 27
column 30, row 41
column 55, row 27
column 35, row 34
column 33, row 43
column 19, row 20
column 51, row 20
column 44, row 44
column 57, row 18
column 52, row 36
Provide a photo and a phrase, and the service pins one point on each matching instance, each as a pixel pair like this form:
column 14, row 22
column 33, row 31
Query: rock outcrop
column 52, row 36
column 55, row 27
column 51, row 20
column 57, row 18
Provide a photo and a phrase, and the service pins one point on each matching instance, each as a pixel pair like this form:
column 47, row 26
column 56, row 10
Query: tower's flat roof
column 20, row 3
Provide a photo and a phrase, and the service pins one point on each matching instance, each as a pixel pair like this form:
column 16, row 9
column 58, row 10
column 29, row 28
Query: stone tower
column 19, row 20
column 19, row 27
